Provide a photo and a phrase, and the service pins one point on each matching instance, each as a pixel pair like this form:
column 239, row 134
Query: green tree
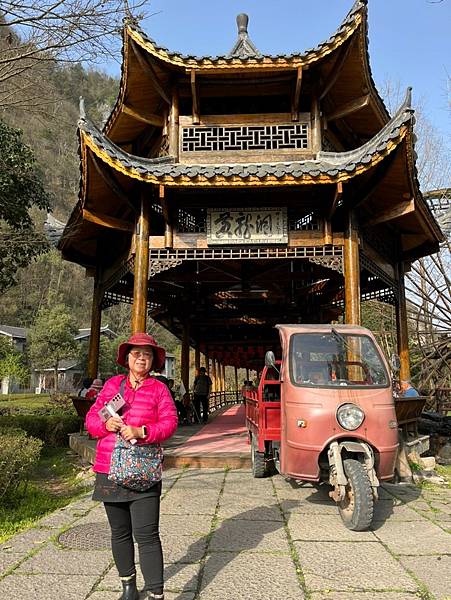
column 51, row 338
column 21, row 190
column 12, row 363
column 107, row 356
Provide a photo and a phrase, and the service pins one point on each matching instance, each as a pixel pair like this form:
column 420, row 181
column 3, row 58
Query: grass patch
column 54, row 485
column 445, row 471
column 25, row 401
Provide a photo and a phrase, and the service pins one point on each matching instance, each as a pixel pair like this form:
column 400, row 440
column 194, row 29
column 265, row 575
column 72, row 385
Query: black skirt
column 109, row 491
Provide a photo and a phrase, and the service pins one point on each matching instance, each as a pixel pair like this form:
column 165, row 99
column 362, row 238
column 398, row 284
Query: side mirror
column 395, row 363
column 270, row 359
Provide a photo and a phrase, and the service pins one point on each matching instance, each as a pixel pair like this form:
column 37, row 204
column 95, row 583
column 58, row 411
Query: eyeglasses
column 139, row 354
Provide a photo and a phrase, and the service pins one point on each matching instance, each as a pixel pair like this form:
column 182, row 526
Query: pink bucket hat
column 141, row 339
column 97, row 384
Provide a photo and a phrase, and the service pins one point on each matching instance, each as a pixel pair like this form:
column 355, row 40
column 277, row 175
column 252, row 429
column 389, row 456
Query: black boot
column 130, row 591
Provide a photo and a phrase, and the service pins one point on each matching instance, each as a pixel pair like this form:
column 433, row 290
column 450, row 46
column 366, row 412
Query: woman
column 94, row 389
column 149, row 416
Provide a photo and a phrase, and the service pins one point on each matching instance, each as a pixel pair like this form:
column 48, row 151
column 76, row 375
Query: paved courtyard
column 228, row 536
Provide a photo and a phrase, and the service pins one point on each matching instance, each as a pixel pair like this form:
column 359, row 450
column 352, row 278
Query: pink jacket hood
column 150, row 405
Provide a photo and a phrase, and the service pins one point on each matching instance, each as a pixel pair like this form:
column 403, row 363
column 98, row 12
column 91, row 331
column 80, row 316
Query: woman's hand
column 114, row 424
column 129, row 433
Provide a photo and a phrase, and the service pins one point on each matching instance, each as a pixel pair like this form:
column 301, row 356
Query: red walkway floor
column 225, row 438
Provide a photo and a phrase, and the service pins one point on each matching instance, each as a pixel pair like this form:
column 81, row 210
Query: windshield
column 333, row 358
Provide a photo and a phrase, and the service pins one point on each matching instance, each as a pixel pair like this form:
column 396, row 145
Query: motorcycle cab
column 337, row 421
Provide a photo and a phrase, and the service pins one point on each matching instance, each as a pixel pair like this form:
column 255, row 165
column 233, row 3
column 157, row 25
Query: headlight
column 350, row 416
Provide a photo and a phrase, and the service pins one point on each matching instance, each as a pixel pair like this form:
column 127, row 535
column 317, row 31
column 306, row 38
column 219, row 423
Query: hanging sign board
column 247, row 226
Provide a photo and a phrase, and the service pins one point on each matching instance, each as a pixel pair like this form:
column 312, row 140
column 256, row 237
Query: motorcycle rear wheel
column 356, row 508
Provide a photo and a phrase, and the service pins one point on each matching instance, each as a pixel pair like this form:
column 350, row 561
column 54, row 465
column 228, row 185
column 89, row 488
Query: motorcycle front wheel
column 356, row 508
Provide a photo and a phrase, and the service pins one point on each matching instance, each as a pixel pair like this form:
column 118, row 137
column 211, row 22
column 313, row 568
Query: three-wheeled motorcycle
column 325, row 413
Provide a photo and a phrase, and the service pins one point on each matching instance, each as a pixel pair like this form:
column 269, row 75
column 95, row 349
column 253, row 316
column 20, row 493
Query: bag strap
column 122, row 387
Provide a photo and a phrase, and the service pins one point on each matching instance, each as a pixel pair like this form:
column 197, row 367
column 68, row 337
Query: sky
column 409, row 40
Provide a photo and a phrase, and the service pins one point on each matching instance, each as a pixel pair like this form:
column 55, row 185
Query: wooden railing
column 218, row 400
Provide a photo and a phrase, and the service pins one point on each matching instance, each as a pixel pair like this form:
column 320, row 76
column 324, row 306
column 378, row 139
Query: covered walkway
column 222, row 442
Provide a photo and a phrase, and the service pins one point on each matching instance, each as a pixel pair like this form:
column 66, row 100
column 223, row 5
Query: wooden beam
column 401, row 209
column 94, row 338
column 349, row 108
column 365, row 192
column 401, row 325
column 316, row 141
column 107, row 221
column 111, row 181
column 296, row 95
column 173, row 125
column 336, row 70
column 337, row 196
column 149, row 118
column 147, row 67
column 195, row 96
column 141, row 269
column 351, row 272
column 169, row 230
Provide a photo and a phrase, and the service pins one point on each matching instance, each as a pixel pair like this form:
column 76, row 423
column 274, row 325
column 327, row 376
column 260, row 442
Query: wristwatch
column 144, row 430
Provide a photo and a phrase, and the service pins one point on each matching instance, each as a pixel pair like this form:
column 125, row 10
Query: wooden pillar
column 236, row 383
column 316, row 123
column 213, row 375
column 401, row 325
column 141, row 271
column 94, row 338
column 173, row 131
column 247, row 373
column 351, row 268
column 184, row 367
column 197, row 358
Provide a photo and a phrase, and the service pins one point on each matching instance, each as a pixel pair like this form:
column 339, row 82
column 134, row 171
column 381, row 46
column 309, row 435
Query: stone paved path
column 228, row 536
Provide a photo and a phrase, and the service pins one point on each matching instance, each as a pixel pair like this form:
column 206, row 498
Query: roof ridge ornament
column 244, row 47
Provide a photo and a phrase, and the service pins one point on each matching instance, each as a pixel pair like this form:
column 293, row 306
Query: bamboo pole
column 141, row 272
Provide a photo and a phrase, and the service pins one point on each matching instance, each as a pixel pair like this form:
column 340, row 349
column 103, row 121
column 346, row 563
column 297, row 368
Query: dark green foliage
column 21, row 189
column 52, row 429
column 18, row 455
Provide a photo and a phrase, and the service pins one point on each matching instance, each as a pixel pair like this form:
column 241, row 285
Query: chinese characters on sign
column 247, row 226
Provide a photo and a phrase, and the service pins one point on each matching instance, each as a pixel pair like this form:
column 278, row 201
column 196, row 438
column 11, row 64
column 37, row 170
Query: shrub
column 52, row 429
column 18, row 455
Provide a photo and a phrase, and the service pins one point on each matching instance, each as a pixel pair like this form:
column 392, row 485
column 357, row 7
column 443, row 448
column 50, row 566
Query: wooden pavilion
column 227, row 194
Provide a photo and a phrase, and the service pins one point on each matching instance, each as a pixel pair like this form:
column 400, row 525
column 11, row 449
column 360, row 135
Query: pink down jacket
column 151, row 405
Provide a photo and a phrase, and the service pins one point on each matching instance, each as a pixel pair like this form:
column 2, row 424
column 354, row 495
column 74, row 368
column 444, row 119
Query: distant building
column 69, row 372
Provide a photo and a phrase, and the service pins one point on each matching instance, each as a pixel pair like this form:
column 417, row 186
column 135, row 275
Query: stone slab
column 326, row 528
column 27, row 540
column 183, row 549
column 47, row 587
column 418, row 538
column 178, row 577
column 234, row 535
column 53, row 560
column 181, row 503
column 385, row 510
column 249, row 577
column 234, row 506
column 433, row 571
column 328, row 595
column 196, row 525
column 347, row 566
column 9, row 559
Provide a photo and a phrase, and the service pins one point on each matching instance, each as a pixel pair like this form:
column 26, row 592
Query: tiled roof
column 15, row 332
column 331, row 164
column 256, row 57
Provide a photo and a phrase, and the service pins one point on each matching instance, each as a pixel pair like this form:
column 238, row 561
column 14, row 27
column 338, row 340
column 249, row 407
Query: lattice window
column 308, row 222
column 192, row 221
column 245, row 137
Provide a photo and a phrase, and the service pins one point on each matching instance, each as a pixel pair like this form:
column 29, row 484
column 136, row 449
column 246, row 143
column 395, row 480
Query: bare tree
column 36, row 33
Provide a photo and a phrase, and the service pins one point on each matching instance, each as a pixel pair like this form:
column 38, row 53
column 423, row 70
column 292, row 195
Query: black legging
column 140, row 518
